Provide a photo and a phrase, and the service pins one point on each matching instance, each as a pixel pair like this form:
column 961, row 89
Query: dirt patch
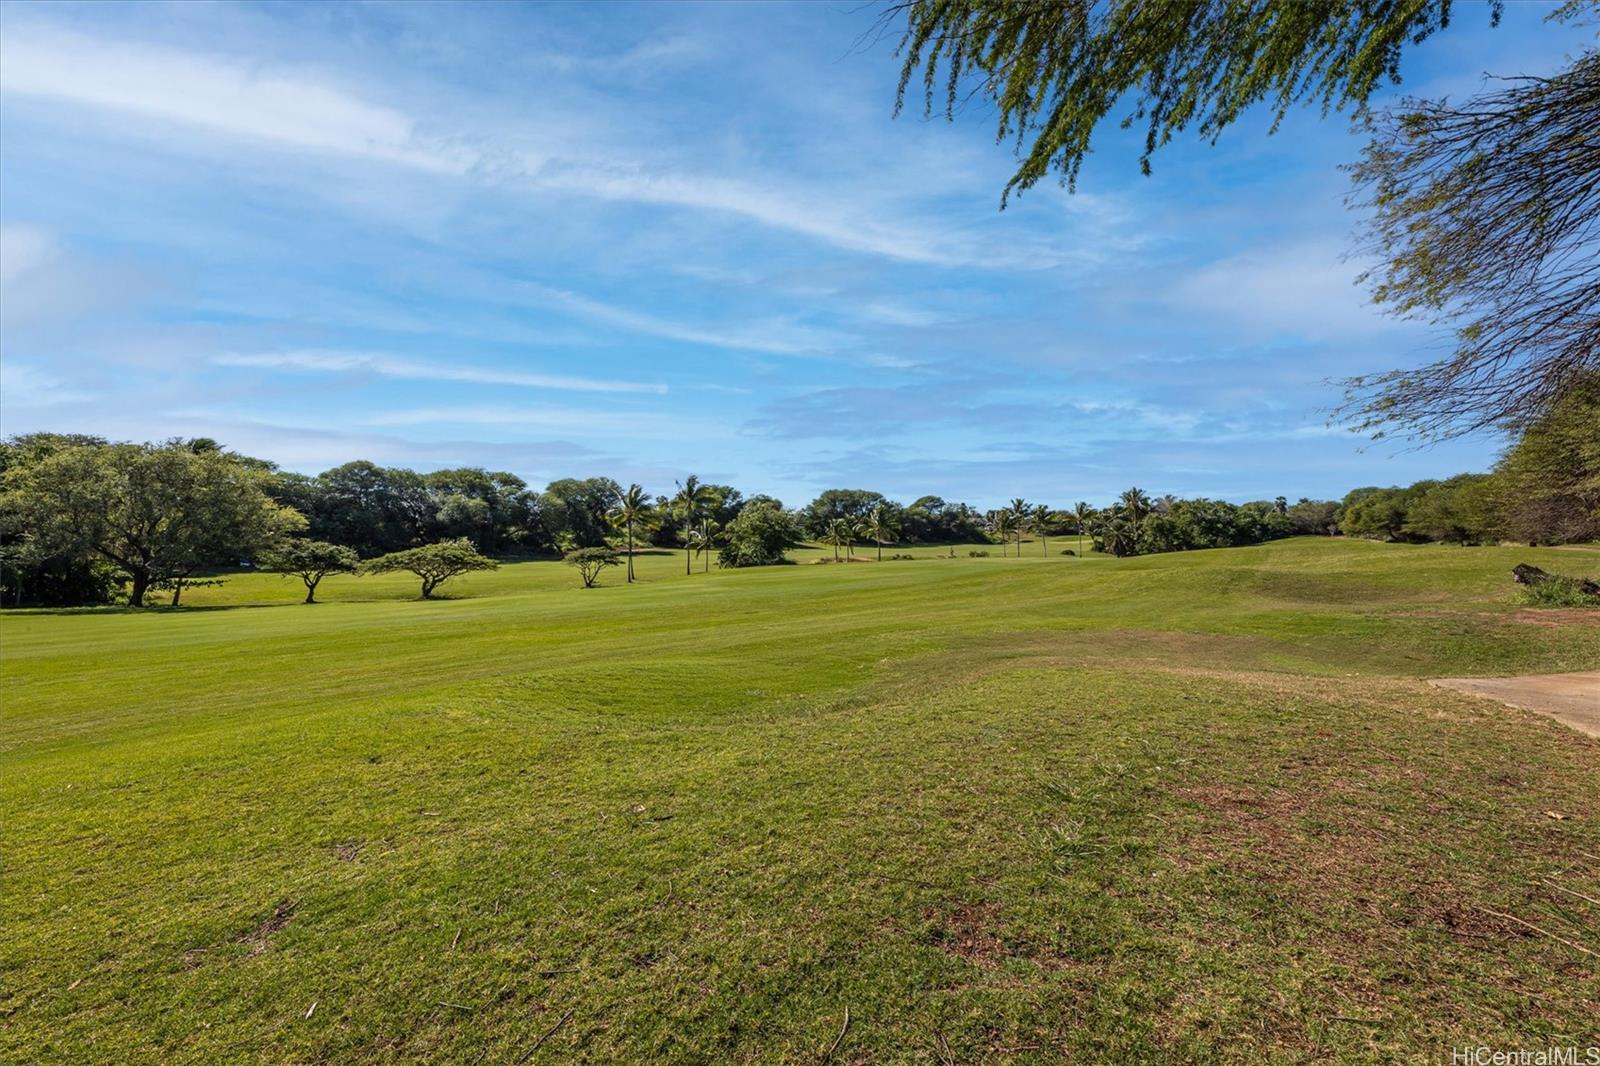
column 1557, row 616
column 966, row 932
column 349, row 851
column 1572, row 699
column 260, row 937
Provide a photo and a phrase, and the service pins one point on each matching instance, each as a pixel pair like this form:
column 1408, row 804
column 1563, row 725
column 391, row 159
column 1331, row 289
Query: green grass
column 1177, row 808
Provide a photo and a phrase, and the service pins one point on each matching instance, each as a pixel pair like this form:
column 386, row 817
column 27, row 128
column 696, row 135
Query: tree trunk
column 688, row 558
column 880, row 551
column 630, row 551
column 141, row 582
column 705, row 542
column 177, row 590
column 427, row 589
column 311, row 588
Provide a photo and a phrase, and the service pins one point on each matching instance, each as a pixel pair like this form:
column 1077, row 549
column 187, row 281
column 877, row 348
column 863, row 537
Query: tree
column 1135, row 504
column 1549, row 480
column 1484, row 216
column 1081, row 512
column 840, row 503
column 690, row 506
column 1021, row 518
column 159, row 512
column 841, row 533
column 633, row 509
column 1041, row 517
column 880, row 526
column 371, row 508
column 1001, row 523
column 759, row 535
column 310, row 561
column 574, row 510
column 590, row 561
column 434, row 563
column 1055, row 70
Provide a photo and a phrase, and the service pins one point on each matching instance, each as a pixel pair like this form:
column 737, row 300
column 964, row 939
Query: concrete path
column 1570, row 698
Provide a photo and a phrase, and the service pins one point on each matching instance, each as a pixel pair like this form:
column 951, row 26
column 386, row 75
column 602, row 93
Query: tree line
column 88, row 521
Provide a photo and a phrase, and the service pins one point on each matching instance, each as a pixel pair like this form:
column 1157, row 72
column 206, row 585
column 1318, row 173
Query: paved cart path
column 1570, row 698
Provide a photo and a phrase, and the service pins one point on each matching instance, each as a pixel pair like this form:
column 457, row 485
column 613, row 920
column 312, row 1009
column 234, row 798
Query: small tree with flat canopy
column 590, row 561
column 310, row 561
column 434, row 563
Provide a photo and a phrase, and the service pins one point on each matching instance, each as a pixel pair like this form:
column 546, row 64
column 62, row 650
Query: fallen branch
column 548, row 1033
column 1569, row 892
column 835, row 1045
column 1542, row 932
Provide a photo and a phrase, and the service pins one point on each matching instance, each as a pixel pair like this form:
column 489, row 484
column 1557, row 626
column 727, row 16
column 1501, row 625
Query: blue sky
column 641, row 241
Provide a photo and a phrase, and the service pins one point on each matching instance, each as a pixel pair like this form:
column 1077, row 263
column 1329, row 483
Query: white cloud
column 775, row 336
column 23, row 250
column 1306, row 289
column 332, row 362
column 298, row 110
column 217, row 95
column 652, row 425
column 22, row 385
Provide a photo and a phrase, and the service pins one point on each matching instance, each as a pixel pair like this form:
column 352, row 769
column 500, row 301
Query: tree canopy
column 433, row 563
column 1484, row 216
column 156, row 511
column 1055, row 69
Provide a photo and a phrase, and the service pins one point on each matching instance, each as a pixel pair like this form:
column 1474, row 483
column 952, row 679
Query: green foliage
column 157, row 512
column 1480, row 215
column 1549, row 480
column 760, row 535
column 310, row 561
column 835, row 504
column 576, row 511
column 1557, row 590
column 1055, row 71
column 590, row 562
column 433, row 563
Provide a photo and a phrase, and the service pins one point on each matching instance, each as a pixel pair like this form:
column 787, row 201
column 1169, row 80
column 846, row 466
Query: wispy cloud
column 299, row 110
column 226, row 97
column 333, row 362
column 773, row 336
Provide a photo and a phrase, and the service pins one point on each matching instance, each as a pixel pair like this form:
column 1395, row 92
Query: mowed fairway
column 1172, row 808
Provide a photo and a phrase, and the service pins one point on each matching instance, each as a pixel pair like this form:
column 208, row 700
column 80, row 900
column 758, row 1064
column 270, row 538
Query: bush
column 901, row 555
column 1068, row 551
column 978, row 553
column 1558, row 591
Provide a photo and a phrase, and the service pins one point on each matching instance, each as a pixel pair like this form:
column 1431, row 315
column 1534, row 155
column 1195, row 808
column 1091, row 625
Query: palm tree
column 1080, row 514
column 1165, row 504
column 634, row 509
column 1041, row 521
column 1136, row 503
column 839, row 532
column 1001, row 523
column 1020, row 512
column 879, row 527
column 1117, row 534
column 691, row 503
column 704, row 539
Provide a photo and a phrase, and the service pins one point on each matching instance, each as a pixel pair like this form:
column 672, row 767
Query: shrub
column 901, row 555
column 1558, row 591
column 1068, row 551
column 978, row 553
